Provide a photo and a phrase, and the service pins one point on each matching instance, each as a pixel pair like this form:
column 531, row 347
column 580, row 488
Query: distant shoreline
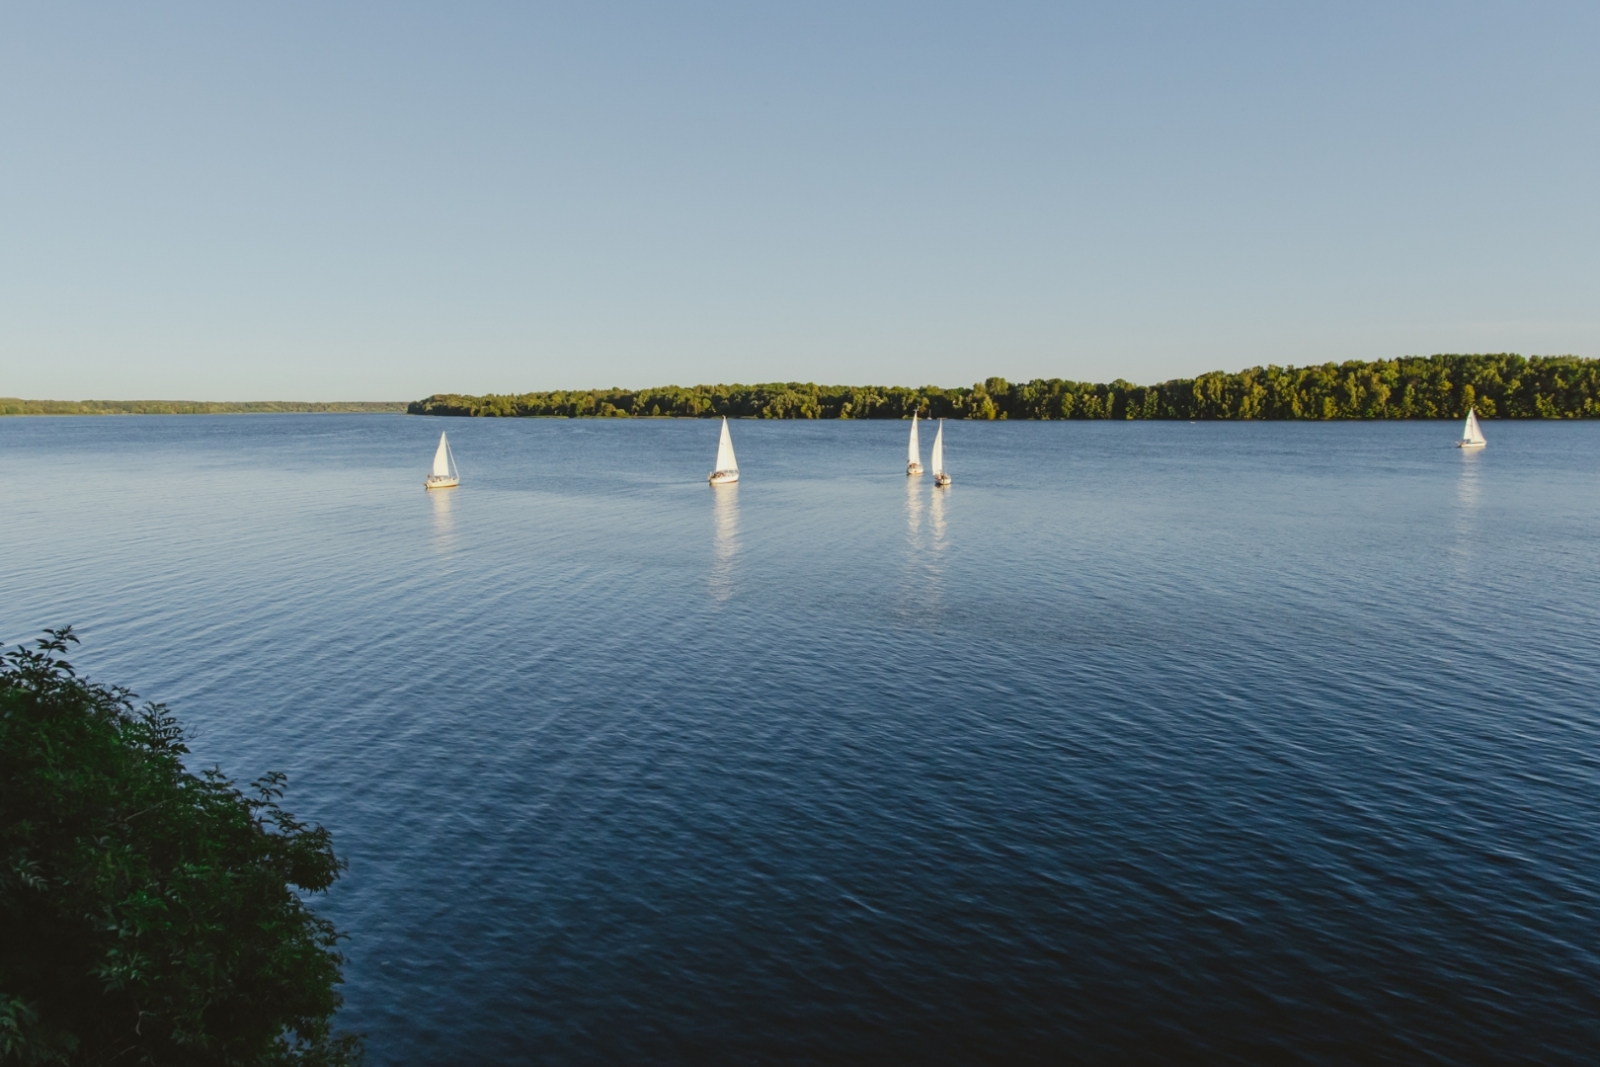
column 1499, row 386
column 15, row 406
column 1502, row 386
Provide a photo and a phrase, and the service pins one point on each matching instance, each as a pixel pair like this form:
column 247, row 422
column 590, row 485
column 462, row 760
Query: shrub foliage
column 150, row 915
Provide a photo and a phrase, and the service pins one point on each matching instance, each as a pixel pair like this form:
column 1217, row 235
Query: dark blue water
column 1250, row 743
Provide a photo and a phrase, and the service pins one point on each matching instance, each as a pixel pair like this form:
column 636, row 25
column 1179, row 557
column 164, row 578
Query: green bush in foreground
column 149, row 915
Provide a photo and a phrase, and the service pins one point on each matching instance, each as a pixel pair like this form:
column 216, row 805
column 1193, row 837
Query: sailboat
column 727, row 467
column 1471, row 433
column 445, row 473
column 913, row 450
column 937, row 459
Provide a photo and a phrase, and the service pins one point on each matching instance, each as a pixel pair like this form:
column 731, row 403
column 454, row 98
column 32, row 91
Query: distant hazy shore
column 14, row 406
column 1504, row 386
column 1415, row 387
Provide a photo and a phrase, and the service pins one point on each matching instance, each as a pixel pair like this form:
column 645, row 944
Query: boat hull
column 1470, row 444
column 913, row 468
column 723, row 477
column 441, row 483
column 941, row 480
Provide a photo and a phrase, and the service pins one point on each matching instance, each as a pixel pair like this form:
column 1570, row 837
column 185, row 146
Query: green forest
column 1415, row 387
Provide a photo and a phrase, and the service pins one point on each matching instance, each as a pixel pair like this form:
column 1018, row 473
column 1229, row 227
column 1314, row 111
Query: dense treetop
column 1434, row 387
column 149, row 915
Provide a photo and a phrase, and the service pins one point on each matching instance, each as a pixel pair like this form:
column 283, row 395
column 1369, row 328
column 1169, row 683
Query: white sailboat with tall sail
column 913, row 450
column 940, row 478
column 1471, row 433
column 727, row 467
column 445, row 474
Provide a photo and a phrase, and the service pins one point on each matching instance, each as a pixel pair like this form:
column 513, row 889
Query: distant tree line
column 1433, row 387
column 10, row 405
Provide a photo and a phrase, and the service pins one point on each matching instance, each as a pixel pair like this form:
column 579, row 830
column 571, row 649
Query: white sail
column 1471, row 434
column 441, row 459
column 937, row 458
column 914, row 451
column 725, row 460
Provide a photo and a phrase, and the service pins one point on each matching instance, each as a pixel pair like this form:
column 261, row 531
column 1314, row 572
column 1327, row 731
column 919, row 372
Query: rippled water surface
column 1150, row 741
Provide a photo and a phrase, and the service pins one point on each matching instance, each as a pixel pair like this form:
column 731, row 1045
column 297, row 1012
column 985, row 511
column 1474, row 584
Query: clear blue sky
column 373, row 201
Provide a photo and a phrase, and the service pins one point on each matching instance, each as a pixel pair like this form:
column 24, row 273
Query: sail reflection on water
column 912, row 601
column 913, row 513
column 925, row 542
column 1464, row 550
column 444, row 523
column 1467, row 484
column 725, row 538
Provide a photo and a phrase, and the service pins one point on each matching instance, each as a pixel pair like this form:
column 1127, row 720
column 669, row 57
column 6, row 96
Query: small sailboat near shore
column 913, row 450
column 446, row 475
column 940, row 478
column 1471, row 433
column 727, row 467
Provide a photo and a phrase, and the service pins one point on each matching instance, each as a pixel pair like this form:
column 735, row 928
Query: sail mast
column 912, row 450
column 937, row 459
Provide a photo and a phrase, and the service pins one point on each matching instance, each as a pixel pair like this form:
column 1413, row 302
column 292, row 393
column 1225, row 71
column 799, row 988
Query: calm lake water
column 1156, row 741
